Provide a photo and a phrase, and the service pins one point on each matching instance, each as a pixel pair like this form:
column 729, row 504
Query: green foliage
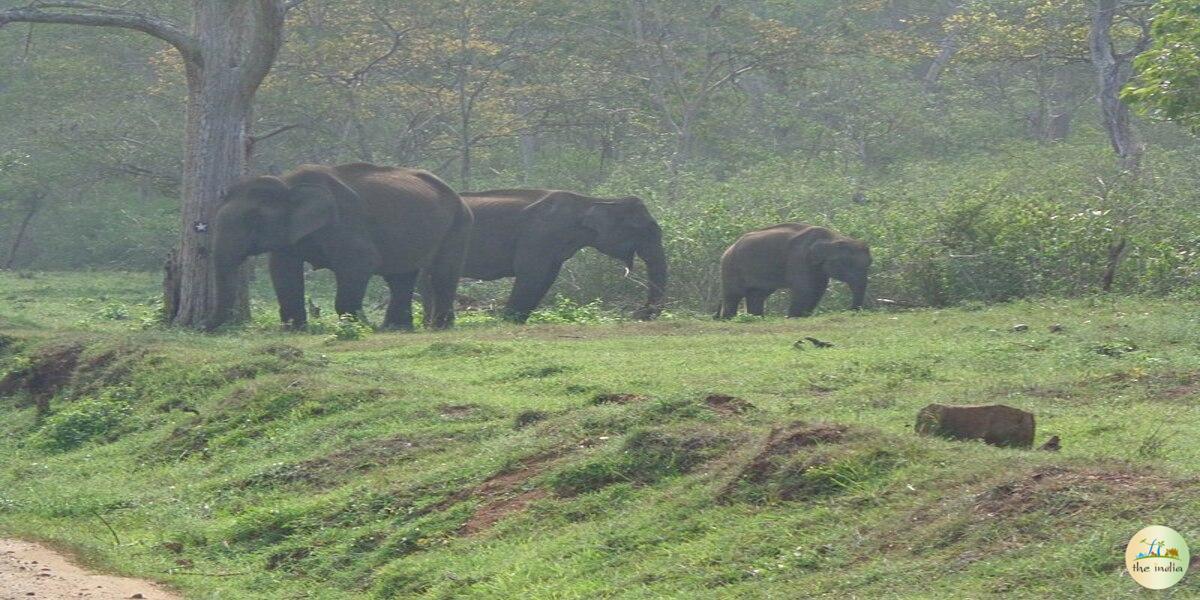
column 85, row 420
column 1167, row 83
column 346, row 328
column 565, row 310
column 114, row 311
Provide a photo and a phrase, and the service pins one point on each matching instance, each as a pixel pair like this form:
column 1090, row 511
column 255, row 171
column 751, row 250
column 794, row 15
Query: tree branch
column 268, row 38
column 83, row 13
column 274, row 132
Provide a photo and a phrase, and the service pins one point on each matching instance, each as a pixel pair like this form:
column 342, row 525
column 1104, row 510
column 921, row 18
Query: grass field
column 593, row 460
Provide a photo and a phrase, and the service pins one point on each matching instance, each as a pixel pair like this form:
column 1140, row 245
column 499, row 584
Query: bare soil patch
column 727, row 405
column 32, row 571
column 618, row 398
column 507, row 493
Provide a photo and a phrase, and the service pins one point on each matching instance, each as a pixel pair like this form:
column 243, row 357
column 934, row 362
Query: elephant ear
column 316, row 197
column 555, row 211
column 818, row 251
column 600, row 216
column 265, row 187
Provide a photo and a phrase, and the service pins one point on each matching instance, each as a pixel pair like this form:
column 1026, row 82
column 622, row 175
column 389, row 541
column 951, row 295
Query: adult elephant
column 529, row 233
column 802, row 258
column 357, row 220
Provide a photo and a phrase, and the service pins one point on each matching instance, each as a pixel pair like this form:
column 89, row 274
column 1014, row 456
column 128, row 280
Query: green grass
column 485, row 462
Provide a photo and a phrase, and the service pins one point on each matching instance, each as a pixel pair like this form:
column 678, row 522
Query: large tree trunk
column 237, row 44
column 215, row 156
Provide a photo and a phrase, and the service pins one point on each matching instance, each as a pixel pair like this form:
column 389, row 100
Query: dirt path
column 32, row 571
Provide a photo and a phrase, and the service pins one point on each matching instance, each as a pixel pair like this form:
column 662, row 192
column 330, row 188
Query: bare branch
column 83, row 13
column 268, row 38
column 274, row 132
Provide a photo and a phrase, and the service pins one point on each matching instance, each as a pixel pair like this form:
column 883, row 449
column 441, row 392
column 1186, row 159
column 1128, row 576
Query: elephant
column 357, row 220
column 796, row 256
column 530, row 233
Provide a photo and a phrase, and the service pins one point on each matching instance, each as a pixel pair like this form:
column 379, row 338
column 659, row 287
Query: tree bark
column 1112, row 72
column 238, row 42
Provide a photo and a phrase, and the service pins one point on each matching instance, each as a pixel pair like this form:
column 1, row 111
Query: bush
column 565, row 310
column 85, row 420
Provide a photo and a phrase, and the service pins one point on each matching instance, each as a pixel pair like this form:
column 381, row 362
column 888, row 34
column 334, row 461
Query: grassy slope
column 355, row 466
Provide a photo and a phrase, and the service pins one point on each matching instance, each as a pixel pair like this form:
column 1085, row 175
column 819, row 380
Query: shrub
column 85, row 420
column 348, row 328
column 565, row 310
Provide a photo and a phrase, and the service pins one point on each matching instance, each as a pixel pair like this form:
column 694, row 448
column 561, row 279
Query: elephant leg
column 756, row 301
column 806, row 294
column 287, row 277
column 425, row 286
column 529, row 289
column 444, row 274
column 730, row 301
column 399, row 310
column 351, row 288
column 445, row 288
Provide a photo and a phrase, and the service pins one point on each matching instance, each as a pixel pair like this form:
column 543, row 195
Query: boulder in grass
column 995, row 424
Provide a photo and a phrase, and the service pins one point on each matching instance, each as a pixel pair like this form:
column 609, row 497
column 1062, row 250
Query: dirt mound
column 70, row 365
column 506, row 493
column 456, row 411
column 776, row 458
column 106, row 369
column 332, row 468
column 1011, row 511
column 1174, row 386
column 798, row 435
column 48, row 372
column 599, row 399
column 727, row 405
column 1061, row 491
column 284, row 351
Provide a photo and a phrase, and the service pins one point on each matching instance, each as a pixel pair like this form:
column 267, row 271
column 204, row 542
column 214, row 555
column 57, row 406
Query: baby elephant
column 796, row 256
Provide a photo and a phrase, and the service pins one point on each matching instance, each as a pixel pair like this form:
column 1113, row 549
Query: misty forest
column 618, row 298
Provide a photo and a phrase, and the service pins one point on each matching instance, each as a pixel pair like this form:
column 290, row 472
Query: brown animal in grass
column 995, row 424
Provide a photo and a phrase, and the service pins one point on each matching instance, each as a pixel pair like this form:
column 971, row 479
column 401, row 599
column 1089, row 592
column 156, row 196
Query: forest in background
column 962, row 139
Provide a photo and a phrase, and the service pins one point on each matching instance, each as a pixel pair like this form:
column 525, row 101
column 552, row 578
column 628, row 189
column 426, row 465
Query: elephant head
column 270, row 214
column 846, row 260
column 621, row 228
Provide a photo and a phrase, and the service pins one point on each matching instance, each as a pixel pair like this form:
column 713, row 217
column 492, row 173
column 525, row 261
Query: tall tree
column 1113, row 72
column 227, row 52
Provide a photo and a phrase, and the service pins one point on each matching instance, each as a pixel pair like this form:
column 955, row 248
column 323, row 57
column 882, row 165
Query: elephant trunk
column 228, row 255
column 858, row 290
column 652, row 253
